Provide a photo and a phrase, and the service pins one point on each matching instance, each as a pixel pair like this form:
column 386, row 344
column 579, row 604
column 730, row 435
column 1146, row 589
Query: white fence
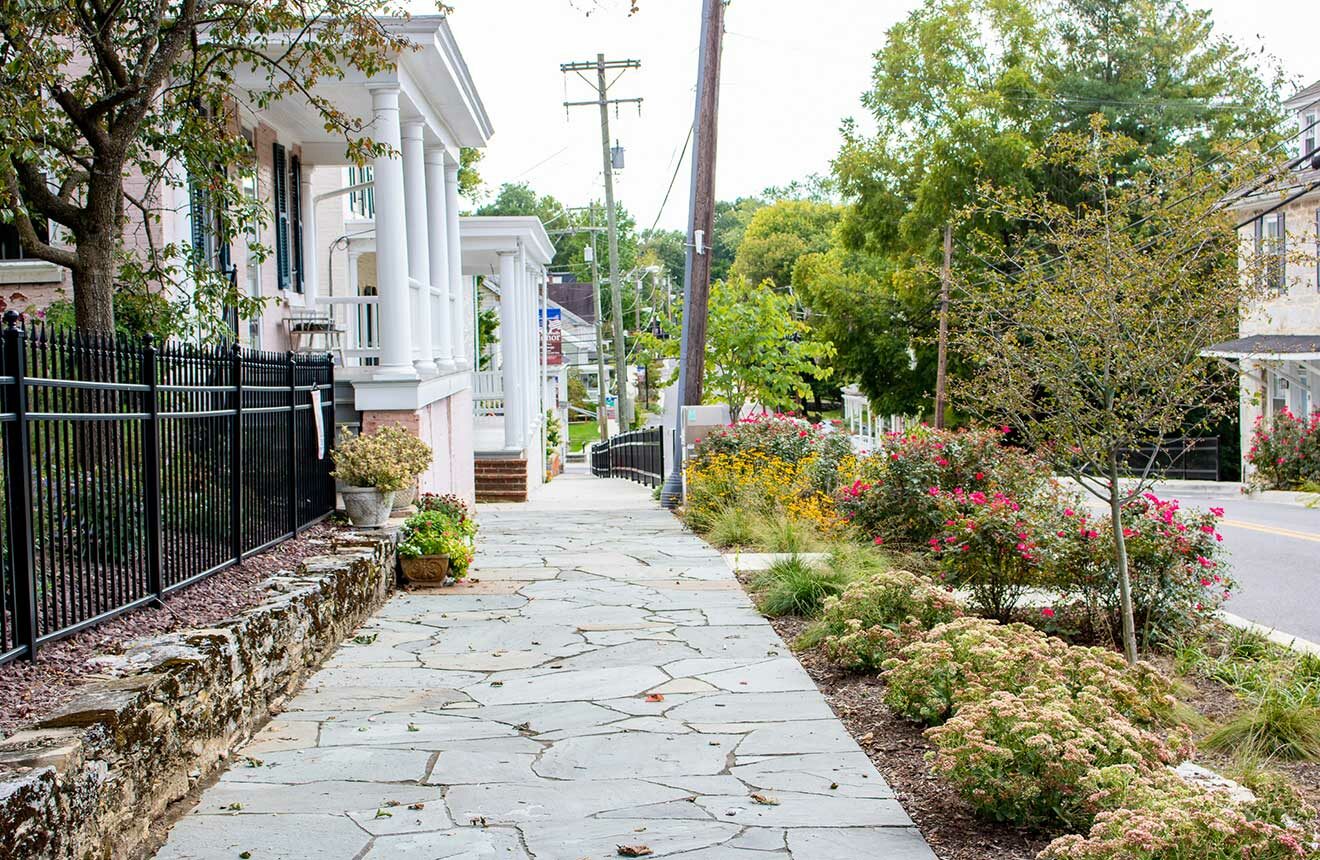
column 864, row 425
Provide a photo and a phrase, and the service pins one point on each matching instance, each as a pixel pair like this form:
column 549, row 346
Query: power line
column 677, row 166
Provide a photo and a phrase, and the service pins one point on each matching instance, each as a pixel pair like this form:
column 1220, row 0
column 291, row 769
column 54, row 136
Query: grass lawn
column 581, row 432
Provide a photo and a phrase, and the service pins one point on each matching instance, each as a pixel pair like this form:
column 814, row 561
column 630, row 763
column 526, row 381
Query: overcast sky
column 792, row 72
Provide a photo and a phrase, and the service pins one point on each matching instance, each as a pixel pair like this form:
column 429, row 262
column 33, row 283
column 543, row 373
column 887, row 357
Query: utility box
column 698, row 422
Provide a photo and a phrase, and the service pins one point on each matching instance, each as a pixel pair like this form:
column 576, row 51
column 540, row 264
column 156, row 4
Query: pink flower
column 1069, row 512
column 1047, row 612
column 1219, row 512
column 980, row 476
column 934, row 491
column 878, row 541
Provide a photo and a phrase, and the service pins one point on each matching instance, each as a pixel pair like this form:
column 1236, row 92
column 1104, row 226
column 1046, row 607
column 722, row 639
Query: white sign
column 318, row 420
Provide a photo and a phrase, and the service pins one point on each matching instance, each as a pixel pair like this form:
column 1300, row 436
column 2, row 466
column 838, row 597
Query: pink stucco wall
column 445, row 425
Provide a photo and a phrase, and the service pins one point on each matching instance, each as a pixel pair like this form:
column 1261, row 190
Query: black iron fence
column 1188, row 458
column 131, row 471
column 638, row 455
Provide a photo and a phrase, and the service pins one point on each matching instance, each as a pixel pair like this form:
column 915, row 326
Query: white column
column 458, row 311
column 419, row 255
column 513, row 438
column 307, row 215
column 391, row 239
column 438, row 246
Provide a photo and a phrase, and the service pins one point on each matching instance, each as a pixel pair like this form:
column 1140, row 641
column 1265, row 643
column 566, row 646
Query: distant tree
column 757, row 350
column 469, row 176
column 102, row 105
column 663, row 248
column 778, row 235
column 1085, row 335
column 731, row 220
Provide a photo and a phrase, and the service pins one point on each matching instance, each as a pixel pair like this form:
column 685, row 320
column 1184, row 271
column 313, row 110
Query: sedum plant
column 388, row 459
column 878, row 614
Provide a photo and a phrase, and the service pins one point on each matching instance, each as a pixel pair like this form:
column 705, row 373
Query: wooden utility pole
column 701, row 226
column 603, row 102
column 942, row 362
column 602, row 420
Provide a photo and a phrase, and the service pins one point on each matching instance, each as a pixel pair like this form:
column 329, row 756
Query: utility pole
column 602, row 421
column 603, row 102
column 942, row 362
column 701, row 223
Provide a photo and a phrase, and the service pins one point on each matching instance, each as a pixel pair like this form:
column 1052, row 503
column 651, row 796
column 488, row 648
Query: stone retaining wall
column 88, row 782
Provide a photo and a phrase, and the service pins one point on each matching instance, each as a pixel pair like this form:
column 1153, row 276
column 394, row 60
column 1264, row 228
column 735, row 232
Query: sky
column 792, row 72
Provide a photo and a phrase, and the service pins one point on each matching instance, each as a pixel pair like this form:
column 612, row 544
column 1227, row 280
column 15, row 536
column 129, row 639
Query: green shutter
column 295, row 219
column 280, row 188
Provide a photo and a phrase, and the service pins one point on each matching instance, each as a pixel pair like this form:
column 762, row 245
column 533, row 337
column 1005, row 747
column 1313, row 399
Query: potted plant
column 435, row 547
column 554, row 440
column 371, row 471
column 414, row 457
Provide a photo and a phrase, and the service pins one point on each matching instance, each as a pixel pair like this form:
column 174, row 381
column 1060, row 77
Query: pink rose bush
column 1285, row 452
column 1176, row 563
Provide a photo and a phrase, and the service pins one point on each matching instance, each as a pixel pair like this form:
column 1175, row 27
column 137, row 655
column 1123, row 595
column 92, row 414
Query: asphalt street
column 1275, row 556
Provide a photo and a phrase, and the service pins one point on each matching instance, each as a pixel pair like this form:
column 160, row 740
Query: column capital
column 412, row 128
column 435, row 154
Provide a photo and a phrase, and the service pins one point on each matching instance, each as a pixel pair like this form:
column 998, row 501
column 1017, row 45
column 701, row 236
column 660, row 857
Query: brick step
column 501, row 497
column 484, row 470
column 502, row 486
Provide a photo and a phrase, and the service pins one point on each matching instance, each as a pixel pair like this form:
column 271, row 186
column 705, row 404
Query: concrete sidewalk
column 605, row 684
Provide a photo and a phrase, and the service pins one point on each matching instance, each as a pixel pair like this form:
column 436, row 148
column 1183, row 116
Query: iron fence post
column 293, row 444
column 18, row 513
column 236, row 456
column 151, row 467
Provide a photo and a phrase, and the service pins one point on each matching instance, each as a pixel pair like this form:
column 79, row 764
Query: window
column 361, row 204
column 1272, row 252
column 252, row 266
column 1308, row 134
column 287, row 182
column 1278, row 393
column 10, row 247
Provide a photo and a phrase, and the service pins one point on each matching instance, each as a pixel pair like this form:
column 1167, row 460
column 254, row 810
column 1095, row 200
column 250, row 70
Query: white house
column 1278, row 350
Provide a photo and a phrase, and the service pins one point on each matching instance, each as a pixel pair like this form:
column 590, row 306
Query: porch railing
column 360, row 318
column 131, row 471
column 638, row 455
column 864, row 425
column 488, row 392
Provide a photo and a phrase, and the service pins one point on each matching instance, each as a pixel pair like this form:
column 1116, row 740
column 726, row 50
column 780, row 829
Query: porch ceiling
column 483, row 237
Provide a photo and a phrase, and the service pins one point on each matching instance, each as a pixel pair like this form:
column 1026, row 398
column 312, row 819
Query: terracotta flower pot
column 428, row 569
column 367, row 507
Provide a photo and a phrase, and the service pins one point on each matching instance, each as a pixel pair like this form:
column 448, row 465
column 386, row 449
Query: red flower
column 1047, row 612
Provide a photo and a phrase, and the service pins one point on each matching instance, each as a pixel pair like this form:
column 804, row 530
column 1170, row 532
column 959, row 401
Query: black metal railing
column 131, row 471
column 1187, row 458
column 638, row 455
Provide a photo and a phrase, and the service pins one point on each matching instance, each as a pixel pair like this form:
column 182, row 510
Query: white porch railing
column 488, row 392
column 864, row 425
column 360, row 318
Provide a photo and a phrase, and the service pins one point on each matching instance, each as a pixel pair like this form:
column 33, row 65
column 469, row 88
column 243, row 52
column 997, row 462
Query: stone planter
column 403, row 500
column 426, row 569
column 367, row 507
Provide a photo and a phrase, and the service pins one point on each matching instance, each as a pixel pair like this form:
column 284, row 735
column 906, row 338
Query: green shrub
column 876, row 615
column 1023, row 757
column 891, row 497
column 432, row 533
column 1285, row 452
column 391, row 458
column 1159, row 816
column 793, row 586
column 732, row 527
column 1176, row 566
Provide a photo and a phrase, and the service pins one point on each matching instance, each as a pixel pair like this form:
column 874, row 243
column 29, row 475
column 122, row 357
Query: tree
column 757, row 350
column 102, row 105
column 969, row 90
column 731, row 220
column 780, row 233
column 1085, row 336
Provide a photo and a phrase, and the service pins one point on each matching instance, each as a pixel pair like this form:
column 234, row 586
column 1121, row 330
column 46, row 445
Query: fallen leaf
column 497, row 683
column 416, row 806
column 413, row 727
column 478, row 821
column 633, row 851
column 834, row 785
column 380, row 813
column 764, row 800
column 655, row 697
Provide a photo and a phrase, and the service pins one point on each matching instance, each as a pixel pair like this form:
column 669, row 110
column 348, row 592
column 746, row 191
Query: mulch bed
column 897, row 749
column 31, row 690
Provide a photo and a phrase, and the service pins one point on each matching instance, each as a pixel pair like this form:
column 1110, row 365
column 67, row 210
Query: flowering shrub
column 970, row 658
column 1285, row 453
column 432, row 533
column 451, row 506
column 891, row 495
column 1175, row 563
column 752, row 479
column 990, row 543
column 1160, row 816
column 875, row 615
column 817, row 448
column 1023, row 757
column 388, row 459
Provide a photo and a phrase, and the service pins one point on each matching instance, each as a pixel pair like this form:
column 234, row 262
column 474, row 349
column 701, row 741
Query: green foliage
column 388, row 459
column 731, row 220
column 105, row 111
column 469, row 176
column 756, row 351
column 794, row 586
column 432, row 533
column 733, row 527
column 780, row 533
column 1281, row 721
column 137, row 312
column 780, row 233
column 1023, row 757
column 879, row 613
column 1285, row 452
column 488, row 334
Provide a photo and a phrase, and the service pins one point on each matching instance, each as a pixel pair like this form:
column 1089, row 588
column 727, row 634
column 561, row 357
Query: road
column 1275, row 556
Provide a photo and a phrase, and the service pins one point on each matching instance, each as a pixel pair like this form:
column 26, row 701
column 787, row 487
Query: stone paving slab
column 605, row 683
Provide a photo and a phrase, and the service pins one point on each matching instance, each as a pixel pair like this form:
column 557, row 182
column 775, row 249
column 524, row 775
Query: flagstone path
column 606, row 683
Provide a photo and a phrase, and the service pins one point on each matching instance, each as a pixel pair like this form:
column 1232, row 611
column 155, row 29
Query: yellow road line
column 1273, row 530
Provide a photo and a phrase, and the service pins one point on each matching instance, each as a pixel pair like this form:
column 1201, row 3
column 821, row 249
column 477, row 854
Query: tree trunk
column 1121, row 563
column 98, row 238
